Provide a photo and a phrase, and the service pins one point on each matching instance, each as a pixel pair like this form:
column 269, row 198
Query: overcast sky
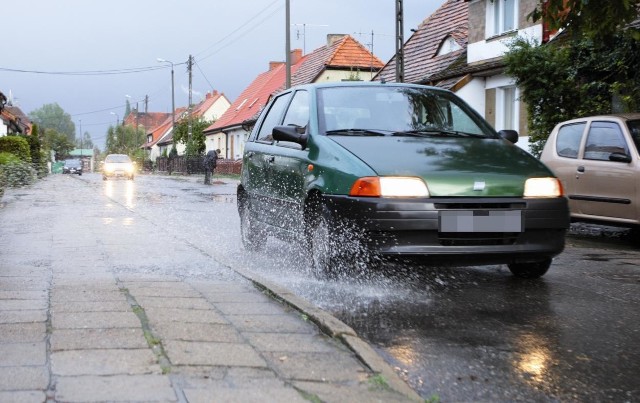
column 232, row 42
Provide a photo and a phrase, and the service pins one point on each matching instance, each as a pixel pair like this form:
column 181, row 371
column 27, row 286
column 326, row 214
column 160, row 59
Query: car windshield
column 72, row 163
column 398, row 111
column 117, row 158
column 634, row 129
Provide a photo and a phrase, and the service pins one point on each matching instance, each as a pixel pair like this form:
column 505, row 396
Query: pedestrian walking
column 210, row 162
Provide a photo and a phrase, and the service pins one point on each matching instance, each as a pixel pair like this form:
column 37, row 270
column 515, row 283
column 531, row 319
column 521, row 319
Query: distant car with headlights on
column 72, row 167
column 118, row 165
column 357, row 171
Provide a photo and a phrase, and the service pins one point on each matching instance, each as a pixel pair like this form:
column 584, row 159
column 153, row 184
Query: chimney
column 296, row 55
column 207, row 95
column 333, row 38
column 273, row 65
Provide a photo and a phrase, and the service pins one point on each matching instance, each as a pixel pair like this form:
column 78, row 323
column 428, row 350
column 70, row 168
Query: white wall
column 473, row 94
column 492, row 48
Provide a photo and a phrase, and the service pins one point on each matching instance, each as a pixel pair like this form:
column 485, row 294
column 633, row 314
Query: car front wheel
column 530, row 270
column 251, row 237
column 325, row 242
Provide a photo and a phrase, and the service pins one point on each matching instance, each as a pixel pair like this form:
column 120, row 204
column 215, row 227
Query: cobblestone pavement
column 75, row 329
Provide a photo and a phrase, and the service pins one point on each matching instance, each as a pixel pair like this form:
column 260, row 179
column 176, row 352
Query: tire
column 104, row 178
column 530, row 270
column 326, row 254
column 252, row 238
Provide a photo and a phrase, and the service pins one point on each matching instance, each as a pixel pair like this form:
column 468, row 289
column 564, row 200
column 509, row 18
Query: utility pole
column 288, row 42
column 399, row 42
column 190, row 126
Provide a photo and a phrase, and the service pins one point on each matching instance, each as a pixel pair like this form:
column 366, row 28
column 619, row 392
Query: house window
column 501, row 16
column 507, row 108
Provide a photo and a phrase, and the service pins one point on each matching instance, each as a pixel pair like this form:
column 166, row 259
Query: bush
column 17, row 146
column 16, row 174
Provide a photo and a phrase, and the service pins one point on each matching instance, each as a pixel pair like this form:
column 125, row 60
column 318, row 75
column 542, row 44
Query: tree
column 52, row 116
column 85, row 142
column 594, row 19
column 125, row 140
column 58, row 143
column 574, row 78
column 195, row 144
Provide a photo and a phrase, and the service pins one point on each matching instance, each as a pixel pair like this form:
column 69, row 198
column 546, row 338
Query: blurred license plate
column 481, row 221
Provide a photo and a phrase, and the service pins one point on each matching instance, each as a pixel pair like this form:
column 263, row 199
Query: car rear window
column 568, row 140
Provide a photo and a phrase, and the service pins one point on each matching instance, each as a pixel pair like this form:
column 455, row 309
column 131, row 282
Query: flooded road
column 455, row 334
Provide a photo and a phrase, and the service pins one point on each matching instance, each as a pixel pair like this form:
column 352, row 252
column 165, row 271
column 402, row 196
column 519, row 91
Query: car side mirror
column 509, row 135
column 290, row 133
column 620, row 157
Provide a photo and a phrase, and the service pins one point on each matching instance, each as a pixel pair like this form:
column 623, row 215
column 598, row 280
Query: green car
column 360, row 172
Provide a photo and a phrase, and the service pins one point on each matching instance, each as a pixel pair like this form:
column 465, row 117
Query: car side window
column 604, row 138
column 273, row 117
column 568, row 140
column 298, row 112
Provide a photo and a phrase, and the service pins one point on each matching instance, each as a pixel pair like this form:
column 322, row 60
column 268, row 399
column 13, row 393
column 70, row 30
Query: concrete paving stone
column 27, row 396
column 294, row 342
column 23, row 316
column 159, row 315
column 23, row 271
column 82, row 320
column 211, row 287
column 23, row 354
column 104, row 362
column 23, row 284
column 290, row 323
column 200, row 377
column 90, row 306
column 251, row 308
column 253, row 296
column 214, row 354
column 24, row 378
column 146, row 278
column 365, row 392
column 86, row 339
column 317, row 367
column 129, row 388
column 163, row 292
column 70, row 294
column 31, row 294
column 22, row 332
column 173, row 302
column 245, row 395
column 23, row 304
column 197, row 332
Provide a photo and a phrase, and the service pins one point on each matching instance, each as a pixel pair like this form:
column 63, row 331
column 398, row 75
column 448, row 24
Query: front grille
column 477, row 238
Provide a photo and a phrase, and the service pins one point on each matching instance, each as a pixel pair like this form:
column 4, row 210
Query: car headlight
column 543, row 187
column 108, row 168
column 389, row 186
column 129, row 168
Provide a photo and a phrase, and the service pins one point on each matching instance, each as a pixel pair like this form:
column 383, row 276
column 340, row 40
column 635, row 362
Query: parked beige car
column 598, row 161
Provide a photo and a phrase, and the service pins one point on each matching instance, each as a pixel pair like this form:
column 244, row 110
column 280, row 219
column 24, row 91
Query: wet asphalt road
column 463, row 334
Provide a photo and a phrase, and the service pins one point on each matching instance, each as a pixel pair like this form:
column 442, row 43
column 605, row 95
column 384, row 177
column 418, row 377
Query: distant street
column 458, row 334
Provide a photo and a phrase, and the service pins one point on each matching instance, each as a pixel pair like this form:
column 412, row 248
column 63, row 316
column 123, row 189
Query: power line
column 88, row 72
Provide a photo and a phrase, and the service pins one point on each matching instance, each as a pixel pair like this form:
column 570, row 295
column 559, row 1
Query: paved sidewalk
column 75, row 329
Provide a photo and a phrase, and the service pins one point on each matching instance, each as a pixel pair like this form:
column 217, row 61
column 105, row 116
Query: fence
column 194, row 165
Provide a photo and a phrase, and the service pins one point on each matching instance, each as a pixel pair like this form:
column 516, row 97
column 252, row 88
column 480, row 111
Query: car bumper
column 417, row 228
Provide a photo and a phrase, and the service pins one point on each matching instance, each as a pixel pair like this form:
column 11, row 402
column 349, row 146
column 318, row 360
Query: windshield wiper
column 437, row 133
column 356, row 132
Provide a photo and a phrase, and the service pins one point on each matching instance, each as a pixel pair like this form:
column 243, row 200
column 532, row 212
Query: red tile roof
column 148, row 120
column 210, row 99
column 343, row 53
column 421, row 58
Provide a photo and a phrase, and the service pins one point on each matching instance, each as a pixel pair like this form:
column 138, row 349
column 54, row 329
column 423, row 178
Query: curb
column 336, row 329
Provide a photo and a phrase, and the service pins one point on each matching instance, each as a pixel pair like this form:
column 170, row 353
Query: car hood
column 461, row 166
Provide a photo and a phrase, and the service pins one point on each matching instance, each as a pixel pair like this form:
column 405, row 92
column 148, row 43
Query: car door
column 563, row 158
column 258, row 158
column 288, row 167
column 605, row 188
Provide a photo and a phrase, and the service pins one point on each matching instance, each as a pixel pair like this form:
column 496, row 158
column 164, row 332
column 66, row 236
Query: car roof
column 614, row 116
column 347, row 84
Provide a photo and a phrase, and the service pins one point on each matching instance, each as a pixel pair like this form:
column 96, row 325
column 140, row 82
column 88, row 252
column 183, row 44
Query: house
column 342, row 58
column 87, row 156
column 460, row 47
column 211, row 108
column 13, row 120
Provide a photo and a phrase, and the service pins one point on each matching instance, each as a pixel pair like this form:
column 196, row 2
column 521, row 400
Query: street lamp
column 173, row 103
